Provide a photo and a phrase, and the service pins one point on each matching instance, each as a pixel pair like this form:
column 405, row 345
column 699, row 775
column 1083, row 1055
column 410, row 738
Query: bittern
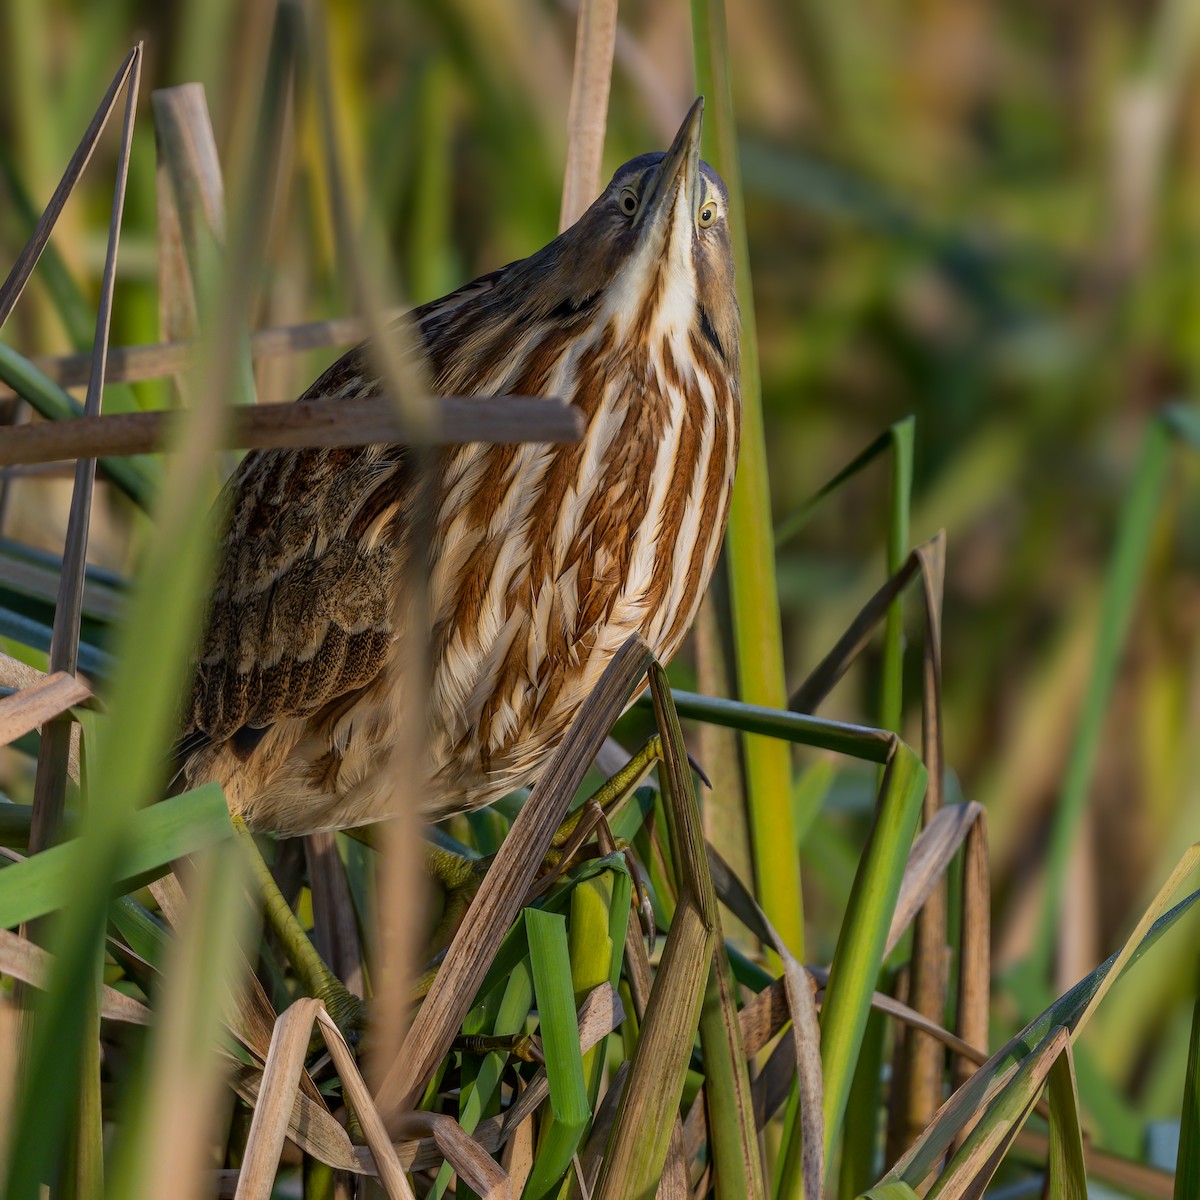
column 543, row 559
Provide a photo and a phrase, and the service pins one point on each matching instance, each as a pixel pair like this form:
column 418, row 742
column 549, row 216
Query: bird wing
column 301, row 612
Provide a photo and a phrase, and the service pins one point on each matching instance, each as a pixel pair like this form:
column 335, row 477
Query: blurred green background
column 984, row 215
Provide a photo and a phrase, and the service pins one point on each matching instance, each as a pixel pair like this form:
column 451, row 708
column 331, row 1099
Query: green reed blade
column 569, row 1110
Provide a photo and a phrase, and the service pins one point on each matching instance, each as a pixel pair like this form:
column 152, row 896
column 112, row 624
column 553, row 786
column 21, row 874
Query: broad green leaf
column 569, row 1111
column 156, row 836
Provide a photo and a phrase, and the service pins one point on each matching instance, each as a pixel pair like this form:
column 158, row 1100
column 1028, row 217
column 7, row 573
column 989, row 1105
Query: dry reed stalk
column 917, row 1075
column 33, row 706
column 323, row 422
column 595, row 37
column 55, row 749
column 18, row 276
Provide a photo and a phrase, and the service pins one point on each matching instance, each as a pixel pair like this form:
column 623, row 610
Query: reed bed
column 875, row 957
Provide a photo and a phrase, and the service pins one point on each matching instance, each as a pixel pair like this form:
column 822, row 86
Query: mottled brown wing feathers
column 301, row 610
column 302, row 606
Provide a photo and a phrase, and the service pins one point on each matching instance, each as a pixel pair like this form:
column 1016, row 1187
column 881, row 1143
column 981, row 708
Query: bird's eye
column 628, row 201
column 708, row 214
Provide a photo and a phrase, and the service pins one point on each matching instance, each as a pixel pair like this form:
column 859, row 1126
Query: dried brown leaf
column 472, row 1163
column 273, row 1109
column 928, row 860
column 640, row 1142
column 359, row 1098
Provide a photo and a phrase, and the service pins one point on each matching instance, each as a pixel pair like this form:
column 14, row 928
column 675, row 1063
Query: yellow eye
column 708, row 214
column 628, row 201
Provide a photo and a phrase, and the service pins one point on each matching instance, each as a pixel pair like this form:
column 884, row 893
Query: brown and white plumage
column 543, row 558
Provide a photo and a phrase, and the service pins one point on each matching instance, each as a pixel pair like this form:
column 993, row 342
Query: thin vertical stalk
column 750, row 543
column 595, row 39
column 50, row 787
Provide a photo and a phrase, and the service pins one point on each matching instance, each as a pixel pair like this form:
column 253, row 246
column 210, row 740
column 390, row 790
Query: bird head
column 656, row 240
column 651, row 257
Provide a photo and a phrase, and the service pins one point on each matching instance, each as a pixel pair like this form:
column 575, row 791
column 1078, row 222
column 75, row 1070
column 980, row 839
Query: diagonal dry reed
column 273, row 1109
column 499, row 898
column 14, row 285
column 33, row 706
column 931, row 854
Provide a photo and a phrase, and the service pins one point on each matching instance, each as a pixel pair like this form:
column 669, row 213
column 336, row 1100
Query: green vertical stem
column 750, row 549
column 732, row 1133
column 860, row 1145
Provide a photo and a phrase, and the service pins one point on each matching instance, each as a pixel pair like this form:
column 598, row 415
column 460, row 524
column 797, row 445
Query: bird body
column 542, row 559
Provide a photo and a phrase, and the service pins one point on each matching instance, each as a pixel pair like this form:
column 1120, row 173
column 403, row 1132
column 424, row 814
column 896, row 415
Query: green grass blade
column 551, row 964
column 1070, row 1011
column 171, row 1120
column 93, row 662
column 861, row 1143
column 733, row 1134
column 125, row 772
column 140, row 930
column 750, row 540
column 154, row 838
column 860, row 946
column 790, row 526
column 479, row 1087
column 895, row 1190
column 596, row 939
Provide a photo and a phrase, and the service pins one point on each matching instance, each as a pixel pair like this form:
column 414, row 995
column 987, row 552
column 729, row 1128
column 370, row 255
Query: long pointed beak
column 680, row 167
